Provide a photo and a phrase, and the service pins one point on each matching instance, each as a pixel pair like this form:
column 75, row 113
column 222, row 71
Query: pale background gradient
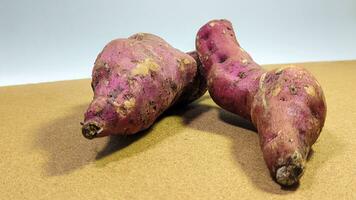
column 47, row 40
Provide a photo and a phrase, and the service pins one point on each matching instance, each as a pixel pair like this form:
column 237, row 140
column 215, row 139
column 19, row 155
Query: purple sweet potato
column 286, row 105
column 134, row 81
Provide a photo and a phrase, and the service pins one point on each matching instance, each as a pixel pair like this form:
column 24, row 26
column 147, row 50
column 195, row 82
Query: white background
column 47, row 40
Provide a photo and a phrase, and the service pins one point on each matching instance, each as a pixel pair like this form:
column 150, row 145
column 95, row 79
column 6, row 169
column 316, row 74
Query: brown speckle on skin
column 293, row 89
column 153, row 105
column 128, row 96
column 173, row 86
column 113, row 94
column 242, row 75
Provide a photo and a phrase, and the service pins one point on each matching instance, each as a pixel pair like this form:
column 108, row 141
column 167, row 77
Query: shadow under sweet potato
column 68, row 150
column 244, row 139
column 246, row 148
column 119, row 147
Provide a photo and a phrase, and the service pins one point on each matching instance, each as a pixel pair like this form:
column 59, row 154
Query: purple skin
column 286, row 105
column 134, row 81
column 195, row 89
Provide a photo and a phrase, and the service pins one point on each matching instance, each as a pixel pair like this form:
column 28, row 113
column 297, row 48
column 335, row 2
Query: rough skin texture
column 134, row 81
column 286, row 105
column 195, row 89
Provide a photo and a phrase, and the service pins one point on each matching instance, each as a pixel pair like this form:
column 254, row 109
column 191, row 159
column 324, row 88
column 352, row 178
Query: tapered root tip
column 289, row 174
column 91, row 130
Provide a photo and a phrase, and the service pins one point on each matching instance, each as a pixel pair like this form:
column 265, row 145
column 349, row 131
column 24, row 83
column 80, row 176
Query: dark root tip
column 289, row 174
column 91, row 130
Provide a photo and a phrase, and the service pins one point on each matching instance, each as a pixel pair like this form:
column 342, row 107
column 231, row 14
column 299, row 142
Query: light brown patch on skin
column 96, row 108
column 276, row 91
column 309, row 89
column 182, row 63
column 138, row 36
column 244, row 62
column 280, row 161
column 279, row 70
column 114, row 103
column 145, row 67
column 98, row 64
column 212, row 24
column 106, row 65
column 186, row 61
column 262, row 79
column 210, row 81
column 129, row 104
column 132, row 82
column 126, row 107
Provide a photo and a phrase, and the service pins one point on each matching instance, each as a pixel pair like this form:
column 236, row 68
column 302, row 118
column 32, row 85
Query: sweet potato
column 134, row 81
column 286, row 105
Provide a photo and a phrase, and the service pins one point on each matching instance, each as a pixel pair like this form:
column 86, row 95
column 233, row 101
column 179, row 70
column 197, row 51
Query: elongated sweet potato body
column 136, row 79
column 286, row 105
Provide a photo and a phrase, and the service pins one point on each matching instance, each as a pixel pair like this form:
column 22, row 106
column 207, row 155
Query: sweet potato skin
column 197, row 87
column 231, row 73
column 289, row 111
column 134, row 81
column 286, row 105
